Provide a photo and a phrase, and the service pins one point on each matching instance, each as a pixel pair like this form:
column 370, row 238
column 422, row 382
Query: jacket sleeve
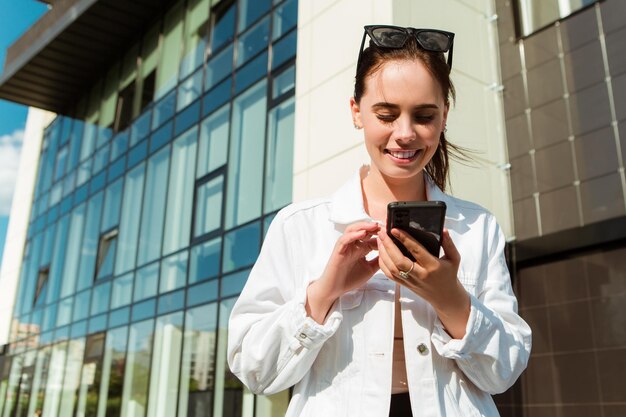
column 497, row 342
column 272, row 343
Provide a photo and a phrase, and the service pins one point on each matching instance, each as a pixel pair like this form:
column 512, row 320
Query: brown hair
column 373, row 58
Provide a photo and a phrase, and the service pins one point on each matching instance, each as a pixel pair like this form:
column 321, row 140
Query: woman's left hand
column 434, row 279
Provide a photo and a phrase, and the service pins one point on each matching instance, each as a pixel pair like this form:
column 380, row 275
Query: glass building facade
column 150, row 205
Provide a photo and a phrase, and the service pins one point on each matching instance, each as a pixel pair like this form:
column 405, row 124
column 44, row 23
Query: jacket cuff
column 307, row 332
column 478, row 325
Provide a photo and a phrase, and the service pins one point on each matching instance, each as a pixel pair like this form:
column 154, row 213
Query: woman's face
column 403, row 113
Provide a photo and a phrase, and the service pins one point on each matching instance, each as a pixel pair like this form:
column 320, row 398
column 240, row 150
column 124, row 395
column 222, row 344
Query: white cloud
column 10, row 147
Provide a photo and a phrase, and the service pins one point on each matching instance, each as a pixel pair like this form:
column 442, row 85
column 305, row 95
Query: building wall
column 564, row 102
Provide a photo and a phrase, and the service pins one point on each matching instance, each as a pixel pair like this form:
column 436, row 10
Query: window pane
column 213, row 146
column 180, row 192
column 72, row 255
column 198, row 363
column 173, row 271
column 146, row 282
column 81, row 305
column 167, row 71
column 122, row 291
column 137, row 370
column 168, row 337
column 208, row 216
column 39, row 382
column 218, row 67
column 64, row 315
column 109, row 398
column 230, row 393
column 245, row 167
column 129, row 221
column 106, row 254
column 196, row 32
column 112, row 201
column 164, row 110
column 241, row 247
column 100, row 298
column 189, row 90
column 279, row 163
column 224, row 28
column 205, row 260
column 253, row 41
column 233, row 284
column 89, row 140
column 151, row 233
column 55, row 380
column 58, row 256
column 284, row 82
column 73, row 367
column 59, row 169
column 89, row 248
column 251, row 10
column 284, row 49
column 285, row 18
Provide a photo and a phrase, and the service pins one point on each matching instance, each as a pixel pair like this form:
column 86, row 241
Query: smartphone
column 421, row 219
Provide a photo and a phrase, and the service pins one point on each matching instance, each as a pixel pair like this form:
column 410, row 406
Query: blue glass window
column 250, row 11
column 218, row 67
column 233, row 284
column 164, row 110
column 224, row 28
column 171, row 302
column 241, row 247
column 285, row 18
column 205, row 260
column 216, row 97
column 202, row 293
column 250, row 73
column 140, row 128
column 187, row 118
column 173, row 271
column 160, row 137
column 253, row 41
column 146, row 282
column 284, row 49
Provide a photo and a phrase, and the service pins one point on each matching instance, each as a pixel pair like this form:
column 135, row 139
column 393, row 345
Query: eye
column 387, row 118
column 424, row 118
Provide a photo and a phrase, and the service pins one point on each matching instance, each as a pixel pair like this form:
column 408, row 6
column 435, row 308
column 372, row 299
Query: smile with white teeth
column 408, row 154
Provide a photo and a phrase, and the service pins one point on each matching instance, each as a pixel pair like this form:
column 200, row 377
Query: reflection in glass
column 24, row 385
column 167, row 70
column 285, row 18
column 208, row 213
column 213, row 142
column 154, row 207
column 223, row 29
column 173, row 271
column 55, row 379
column 241, row 247
column 205, row 260
column 189, row 90
column 279, row 163
column 86, row 270
column 56, row 266
column 71, row 381
column 535, row 14
column 146, row 282
column 113, row 365
column 100, row 299
column 106, row 253
column 180, row 192
column 253, row 41
column 231, row 397
column 284, row 82
column 81, row 305
column 165, row 368
column 35, row 406
column 129, row 221
column 112, row 201
column 122, row 291
column 251, row 10
column 198, row 363
column 196, row 18
column 137, row 372
column 245, row 167
column 218, row 67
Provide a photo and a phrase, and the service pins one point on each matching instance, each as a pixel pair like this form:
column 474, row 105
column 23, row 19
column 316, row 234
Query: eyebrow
column 385, row 104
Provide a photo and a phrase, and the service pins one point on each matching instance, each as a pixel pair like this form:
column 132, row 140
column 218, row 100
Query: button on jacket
column 343, row 367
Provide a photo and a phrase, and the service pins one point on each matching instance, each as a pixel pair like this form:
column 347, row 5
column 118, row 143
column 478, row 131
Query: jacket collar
column 347, row 201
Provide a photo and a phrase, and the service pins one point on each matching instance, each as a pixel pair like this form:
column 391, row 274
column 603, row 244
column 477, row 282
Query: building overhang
column 53, row 63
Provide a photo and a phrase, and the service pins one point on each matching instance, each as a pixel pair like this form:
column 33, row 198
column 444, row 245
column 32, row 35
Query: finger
column 419, row 252
column 449, row 248
column 393, row 266
column 393, row 251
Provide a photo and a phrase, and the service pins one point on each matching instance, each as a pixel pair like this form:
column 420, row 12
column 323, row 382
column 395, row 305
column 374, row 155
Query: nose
column 403, row 130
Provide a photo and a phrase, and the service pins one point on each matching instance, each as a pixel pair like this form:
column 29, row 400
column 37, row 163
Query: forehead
column 399, row 81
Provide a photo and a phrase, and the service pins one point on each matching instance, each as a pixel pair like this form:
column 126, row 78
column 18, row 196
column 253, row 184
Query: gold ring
column 405, row 275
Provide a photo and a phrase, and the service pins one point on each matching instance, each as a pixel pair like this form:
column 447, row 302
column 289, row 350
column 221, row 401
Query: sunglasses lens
column 434, row 41
column 389, row 37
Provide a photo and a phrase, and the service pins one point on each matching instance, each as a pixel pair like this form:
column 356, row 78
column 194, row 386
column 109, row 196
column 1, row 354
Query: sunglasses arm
column 358, row 61
column 450, row 57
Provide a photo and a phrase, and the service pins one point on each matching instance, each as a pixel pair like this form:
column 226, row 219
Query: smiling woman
column 334, row 308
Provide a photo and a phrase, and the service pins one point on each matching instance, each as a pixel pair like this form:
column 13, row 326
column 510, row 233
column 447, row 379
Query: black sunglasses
column 395, row 37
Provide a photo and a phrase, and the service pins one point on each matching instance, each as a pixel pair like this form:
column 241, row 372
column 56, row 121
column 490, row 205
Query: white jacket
column 343, row 367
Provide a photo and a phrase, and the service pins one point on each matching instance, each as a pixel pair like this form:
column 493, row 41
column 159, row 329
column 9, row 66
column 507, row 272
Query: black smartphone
column 421, row 219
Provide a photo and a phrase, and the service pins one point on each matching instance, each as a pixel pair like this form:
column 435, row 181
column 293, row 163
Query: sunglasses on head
column 395, row 37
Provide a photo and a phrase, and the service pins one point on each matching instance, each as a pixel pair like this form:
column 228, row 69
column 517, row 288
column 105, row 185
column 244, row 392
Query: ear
column 356, row 113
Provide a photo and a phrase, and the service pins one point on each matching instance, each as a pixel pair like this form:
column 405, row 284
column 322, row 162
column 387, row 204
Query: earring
column 357, row 126
column 445, row 128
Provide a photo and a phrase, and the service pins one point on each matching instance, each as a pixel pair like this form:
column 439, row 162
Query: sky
column 15, row 18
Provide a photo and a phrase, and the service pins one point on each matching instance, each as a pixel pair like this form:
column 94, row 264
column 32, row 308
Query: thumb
column 449, row 248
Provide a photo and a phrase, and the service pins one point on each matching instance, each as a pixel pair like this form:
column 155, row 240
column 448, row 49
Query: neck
column 379, row 190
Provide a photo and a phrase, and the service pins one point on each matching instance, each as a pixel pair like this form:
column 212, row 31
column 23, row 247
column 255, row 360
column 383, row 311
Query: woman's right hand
column 346, row 269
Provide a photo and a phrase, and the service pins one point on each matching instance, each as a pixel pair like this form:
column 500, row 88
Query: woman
column 366, row 335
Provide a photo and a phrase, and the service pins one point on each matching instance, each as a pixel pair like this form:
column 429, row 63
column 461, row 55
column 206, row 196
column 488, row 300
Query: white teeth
column 403, row 154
